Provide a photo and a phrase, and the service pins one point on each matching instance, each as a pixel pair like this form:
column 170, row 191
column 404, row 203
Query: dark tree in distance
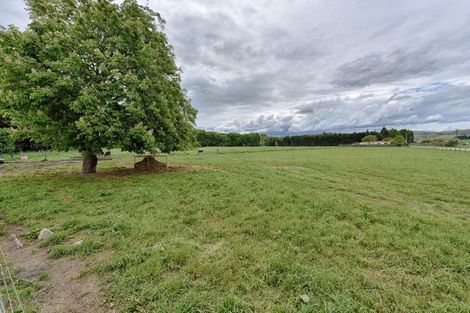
column 384, row 133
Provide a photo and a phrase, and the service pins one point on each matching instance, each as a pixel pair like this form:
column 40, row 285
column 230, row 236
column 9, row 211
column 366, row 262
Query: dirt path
column 64, row 290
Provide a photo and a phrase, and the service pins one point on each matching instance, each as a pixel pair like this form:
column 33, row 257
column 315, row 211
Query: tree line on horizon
column 217, row 139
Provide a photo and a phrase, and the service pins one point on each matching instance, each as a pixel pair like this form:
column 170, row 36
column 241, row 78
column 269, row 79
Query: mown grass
column 37, row 156
column 250, row 229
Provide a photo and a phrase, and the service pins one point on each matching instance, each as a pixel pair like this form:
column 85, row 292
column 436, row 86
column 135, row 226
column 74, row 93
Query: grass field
column 252, row 229
column 53, row 155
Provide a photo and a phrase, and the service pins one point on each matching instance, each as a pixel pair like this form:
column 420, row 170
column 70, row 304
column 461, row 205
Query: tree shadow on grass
column 125, row 171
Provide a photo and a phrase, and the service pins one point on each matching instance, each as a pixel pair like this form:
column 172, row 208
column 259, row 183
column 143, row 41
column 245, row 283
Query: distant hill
column 423, row 135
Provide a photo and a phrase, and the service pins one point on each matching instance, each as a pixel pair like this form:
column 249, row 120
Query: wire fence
column 456, row 149
column 9, row 298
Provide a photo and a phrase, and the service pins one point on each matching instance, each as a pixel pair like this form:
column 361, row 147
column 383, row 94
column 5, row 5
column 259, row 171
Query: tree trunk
column 89, row 164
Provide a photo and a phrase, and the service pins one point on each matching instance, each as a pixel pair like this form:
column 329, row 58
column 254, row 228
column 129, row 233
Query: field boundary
column 457, row 149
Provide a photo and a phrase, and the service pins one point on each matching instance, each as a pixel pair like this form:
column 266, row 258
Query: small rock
column 78, row 243
column 157, row 247
column 18, row 243
column 33, row 272
column 45, row 233
column 305, row 298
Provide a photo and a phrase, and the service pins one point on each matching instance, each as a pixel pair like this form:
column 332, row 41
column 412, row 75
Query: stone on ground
column 18, row 243
column 305, row 298
column 45, row 233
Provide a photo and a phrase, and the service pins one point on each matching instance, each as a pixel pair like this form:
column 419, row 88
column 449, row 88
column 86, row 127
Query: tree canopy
column 93, row 75
column 399, row 140
column 369, row 138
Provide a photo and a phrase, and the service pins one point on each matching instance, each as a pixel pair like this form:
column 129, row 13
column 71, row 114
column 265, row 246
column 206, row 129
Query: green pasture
column 253, row 229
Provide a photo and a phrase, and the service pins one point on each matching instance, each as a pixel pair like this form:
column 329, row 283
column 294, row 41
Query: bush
column 370, row 138
column 451, row 143
column 399, row 140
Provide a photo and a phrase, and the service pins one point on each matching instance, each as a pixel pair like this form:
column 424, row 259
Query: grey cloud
column 239, row 91
column 226, row 65
column 398, row 65
column 436, row 55
column 235, row 63
column 272, row 124
column 12, row 12
column 310, row 107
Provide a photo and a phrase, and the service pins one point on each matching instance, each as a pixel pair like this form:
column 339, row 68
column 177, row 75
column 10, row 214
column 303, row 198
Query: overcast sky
column 290, row 66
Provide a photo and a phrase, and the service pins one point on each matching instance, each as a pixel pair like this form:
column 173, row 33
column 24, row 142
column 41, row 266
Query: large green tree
column 94, row 74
